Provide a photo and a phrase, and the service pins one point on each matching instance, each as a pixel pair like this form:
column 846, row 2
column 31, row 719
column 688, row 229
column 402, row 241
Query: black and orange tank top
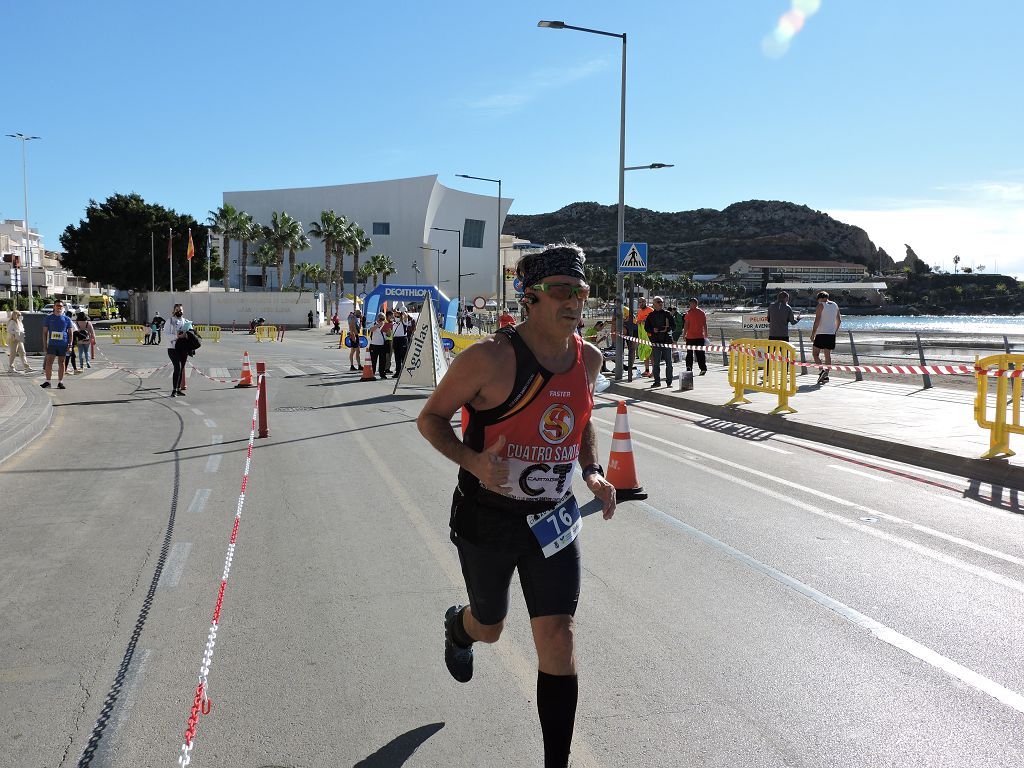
column 542, row 421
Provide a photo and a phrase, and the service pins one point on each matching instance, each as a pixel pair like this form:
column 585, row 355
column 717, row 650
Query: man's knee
column 485, row 633
column 555, row 636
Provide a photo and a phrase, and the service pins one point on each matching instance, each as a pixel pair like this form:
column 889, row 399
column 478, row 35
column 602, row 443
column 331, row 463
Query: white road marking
column 905, row 543
column 175, row 565
column 762, row 446
column 857, row 472
column 290, row 370
column 216, row 439
column 199, row 501
column 323, row 369
column 213, row 462
column 103, row 373
column 197, row 412
column 218, row 373
column 130, row 686
column 884, row 633
column 210, row 423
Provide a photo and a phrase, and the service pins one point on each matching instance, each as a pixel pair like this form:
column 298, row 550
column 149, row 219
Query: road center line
column 216, row 439
column 846, row 503
column 175, row 565
column 210, row 423
column 213, row 462
column 199, row 501
column 920, row 549
column 197, row 412
column 884, row 633
column 857, row 472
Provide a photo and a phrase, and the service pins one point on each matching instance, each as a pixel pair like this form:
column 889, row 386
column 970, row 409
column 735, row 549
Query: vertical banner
column 425, row 362
column 188, row 255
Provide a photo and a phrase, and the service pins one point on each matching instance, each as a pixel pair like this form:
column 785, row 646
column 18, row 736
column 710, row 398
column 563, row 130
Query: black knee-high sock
column 556, row 705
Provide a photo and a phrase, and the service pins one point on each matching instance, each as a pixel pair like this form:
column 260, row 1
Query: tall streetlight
column 438, row 251
column 24, row 177
column 499, row 287
column 458, row 287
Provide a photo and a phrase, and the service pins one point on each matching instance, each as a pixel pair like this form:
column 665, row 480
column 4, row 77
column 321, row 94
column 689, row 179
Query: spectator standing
column 16, row 342
column 780, row 317
column 506, row 319
column 389, row 340
column 56, row 341
column 309, row 318
column 827, row 320
column 643, row 352
column 176, row 328
column 335, row 323
column 159, row 323
column 677, row 323
column 601, row 340
column 695, row 332
column 69, row 359
column 355, row 352
column 86, row 336
column 377, row 357
column 400, row 340
column 630, row 330
column 659, row 326
column 469, row 321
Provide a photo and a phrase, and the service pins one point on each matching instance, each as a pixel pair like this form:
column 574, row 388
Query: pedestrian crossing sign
column 632, row 257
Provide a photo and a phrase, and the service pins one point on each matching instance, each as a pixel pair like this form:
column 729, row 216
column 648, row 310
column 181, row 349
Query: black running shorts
column 494, row 539
column 825, row 341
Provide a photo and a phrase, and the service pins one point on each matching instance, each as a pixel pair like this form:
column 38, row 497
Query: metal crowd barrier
column 3, row 337
column 461, row 341
column 750, row 371
column 266, row 333
column 136, row 332
column 1005, row 418
column 209, row 332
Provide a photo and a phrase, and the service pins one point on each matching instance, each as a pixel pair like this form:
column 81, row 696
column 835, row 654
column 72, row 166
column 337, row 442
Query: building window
column 473, row 233
column 382, row 227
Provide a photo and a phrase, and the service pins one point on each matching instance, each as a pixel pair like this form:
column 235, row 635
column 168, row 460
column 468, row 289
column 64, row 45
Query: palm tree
column 383, row 266
column 267, row 256
column 298, row 243
column 283, row 233
column 365, row 273
column 302, row 269
column 224, row 221
column 356, row 242
column 248, row 232
column 330, row 229
column 317, row 274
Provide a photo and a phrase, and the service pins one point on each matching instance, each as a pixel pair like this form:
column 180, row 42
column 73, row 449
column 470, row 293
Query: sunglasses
column 562, row 291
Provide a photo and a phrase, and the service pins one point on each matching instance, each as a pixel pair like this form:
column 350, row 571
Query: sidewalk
column 933, row 428
column 25, row 411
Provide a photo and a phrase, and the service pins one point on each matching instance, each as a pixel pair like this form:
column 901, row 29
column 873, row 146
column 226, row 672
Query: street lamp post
column 24, row 178
column 499, row 286
column 438, row 251
column 458, row 287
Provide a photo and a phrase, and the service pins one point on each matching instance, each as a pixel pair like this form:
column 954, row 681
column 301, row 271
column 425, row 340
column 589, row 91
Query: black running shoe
column 45, row 385
column 459, row 660
column 60, row 385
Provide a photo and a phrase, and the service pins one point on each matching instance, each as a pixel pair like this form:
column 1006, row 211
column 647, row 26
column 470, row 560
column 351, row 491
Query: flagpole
column 152, row 258
column 209, row 298
column 189, row 288
column 170, row 260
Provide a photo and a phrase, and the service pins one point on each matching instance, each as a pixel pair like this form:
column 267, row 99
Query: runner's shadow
column 397, row 751
column 594, row 506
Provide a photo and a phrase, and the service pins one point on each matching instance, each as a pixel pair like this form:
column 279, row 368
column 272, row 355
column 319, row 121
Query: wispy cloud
column 536, row 83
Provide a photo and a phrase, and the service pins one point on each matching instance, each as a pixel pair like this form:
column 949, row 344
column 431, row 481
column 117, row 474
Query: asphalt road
column 773, row 603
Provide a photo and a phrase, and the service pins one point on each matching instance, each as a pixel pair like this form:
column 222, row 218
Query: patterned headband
column 555, row 261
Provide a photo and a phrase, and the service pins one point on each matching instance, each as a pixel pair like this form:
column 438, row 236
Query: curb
column 994, row 471
column 27, row 423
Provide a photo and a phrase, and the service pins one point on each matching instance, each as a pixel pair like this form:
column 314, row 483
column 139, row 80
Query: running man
column 56, row 341
column 528, row 390
column 827, row 320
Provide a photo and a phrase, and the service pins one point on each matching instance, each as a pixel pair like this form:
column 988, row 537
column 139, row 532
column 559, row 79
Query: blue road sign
column 632, row 257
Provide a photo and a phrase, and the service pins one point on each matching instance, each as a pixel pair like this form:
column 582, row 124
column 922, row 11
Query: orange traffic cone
column 621, row 469
column 367, row 370
column 246, row 373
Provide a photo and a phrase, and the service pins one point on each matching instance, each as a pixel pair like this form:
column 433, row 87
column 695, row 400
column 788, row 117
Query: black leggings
column 178, row 358
column 399, row 344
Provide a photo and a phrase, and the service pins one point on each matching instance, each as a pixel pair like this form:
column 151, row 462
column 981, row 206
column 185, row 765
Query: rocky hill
column 705, row 240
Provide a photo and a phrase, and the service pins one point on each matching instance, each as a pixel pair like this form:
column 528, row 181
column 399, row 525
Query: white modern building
column 399, row 216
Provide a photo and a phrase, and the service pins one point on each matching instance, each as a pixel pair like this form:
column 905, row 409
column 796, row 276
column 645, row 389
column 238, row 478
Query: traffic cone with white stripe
column 621, row 468
column 246, row 372
column 367, row 368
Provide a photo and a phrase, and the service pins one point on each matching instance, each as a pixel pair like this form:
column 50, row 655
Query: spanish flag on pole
column 191, row 248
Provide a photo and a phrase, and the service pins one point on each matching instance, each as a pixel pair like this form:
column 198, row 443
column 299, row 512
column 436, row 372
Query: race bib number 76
column 557, row 528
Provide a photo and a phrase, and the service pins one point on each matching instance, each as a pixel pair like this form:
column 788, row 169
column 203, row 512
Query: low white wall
column 218, row 308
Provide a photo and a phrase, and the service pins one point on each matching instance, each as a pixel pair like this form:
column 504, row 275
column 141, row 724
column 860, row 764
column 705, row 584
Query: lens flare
column 776, row 44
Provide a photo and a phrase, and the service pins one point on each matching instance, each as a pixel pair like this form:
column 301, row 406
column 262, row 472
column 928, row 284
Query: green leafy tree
column 111, row 244
column 266, row 257
column 279, row 234
column 318, row 275
column 355, row 242
column 225, row 221
column 330, row 230
column 365, row 273
column 299, row 242
column 382, row 265
column 302, row 270
column 248, row 232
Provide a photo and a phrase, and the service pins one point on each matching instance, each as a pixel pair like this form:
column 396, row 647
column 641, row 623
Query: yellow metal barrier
column 461, row 341
column 1008, row 395
column 120, row 331
column 3, row 337
column 266, row 333
column 209, row 332
column 748, row 372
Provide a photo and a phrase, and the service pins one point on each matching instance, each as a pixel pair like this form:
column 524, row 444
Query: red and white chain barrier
column 218, row 381
column 906, row 370
column 201, row 703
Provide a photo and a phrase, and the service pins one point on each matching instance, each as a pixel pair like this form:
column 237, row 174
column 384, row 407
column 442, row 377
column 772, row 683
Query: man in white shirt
column 827, row 320
column 176, row 328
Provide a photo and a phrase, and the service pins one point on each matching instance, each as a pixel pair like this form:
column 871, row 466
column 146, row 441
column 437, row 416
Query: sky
column 904, row 118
